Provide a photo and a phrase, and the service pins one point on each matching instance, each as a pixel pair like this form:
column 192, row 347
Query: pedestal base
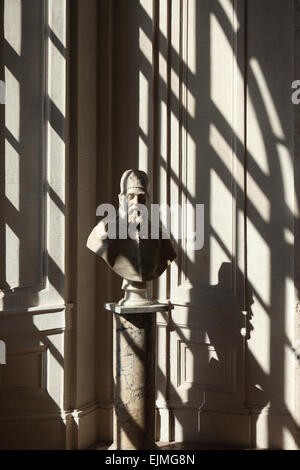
column 134, row 376
column 135, row 294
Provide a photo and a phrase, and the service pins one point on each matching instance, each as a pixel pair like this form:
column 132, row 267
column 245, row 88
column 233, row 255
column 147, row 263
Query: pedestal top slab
column 124, row 309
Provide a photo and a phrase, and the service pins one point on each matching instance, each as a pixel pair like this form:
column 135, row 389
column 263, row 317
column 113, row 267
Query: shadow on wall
column 28, row 396
column 261, row 374
column 257, row 325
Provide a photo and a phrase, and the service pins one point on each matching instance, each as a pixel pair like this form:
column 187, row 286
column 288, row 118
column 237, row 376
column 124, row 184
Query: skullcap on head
column 134, row 179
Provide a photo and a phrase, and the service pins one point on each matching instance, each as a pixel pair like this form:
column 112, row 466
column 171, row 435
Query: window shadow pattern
column 25, row 66
column 258, row 384
column 266, row 182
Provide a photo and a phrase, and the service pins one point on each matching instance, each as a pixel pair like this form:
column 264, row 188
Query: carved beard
column 135, row 215
column 131, row 211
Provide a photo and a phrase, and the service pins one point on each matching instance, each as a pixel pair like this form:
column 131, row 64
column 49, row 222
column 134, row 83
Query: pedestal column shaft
column 134, row 376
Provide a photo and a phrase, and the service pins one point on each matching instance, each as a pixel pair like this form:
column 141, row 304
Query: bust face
column 136, row 196
column 132, row 198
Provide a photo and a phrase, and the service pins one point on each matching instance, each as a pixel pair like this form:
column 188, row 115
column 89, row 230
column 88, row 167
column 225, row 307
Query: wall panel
column 33, row 146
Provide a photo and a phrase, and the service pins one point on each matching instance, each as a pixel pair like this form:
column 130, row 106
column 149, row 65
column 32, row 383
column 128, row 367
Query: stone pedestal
column 134, row 375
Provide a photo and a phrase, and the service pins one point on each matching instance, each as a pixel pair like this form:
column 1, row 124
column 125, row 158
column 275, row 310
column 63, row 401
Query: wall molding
column 35, row 310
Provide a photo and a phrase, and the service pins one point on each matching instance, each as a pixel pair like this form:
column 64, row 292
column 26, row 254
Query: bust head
column 134, row 190
column 134, row 179
column 136, row 259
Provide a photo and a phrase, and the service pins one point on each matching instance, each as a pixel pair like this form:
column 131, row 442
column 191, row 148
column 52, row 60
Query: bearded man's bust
column 132, row 247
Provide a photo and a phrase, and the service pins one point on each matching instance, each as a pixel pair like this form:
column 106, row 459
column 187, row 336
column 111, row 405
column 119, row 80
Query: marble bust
column 137, row 257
